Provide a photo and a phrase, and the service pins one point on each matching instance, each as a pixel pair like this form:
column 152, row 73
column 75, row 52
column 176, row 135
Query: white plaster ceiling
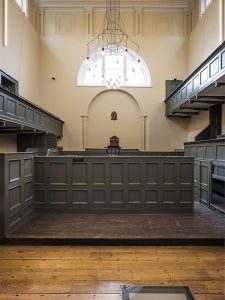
column 123, row 3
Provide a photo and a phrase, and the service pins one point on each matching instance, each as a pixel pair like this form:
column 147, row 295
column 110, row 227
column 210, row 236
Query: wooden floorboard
column 82, row 273
column 203, row 226
column 91, row 296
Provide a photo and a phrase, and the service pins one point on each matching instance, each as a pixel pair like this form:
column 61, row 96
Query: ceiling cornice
column 65, row 4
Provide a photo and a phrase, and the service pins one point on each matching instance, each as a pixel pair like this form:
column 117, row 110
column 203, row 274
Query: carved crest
column 114, row 115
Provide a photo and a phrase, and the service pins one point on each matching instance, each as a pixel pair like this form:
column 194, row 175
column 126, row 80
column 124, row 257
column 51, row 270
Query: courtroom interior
column 112, row 148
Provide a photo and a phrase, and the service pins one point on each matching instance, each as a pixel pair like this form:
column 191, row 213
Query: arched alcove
column 101, row 126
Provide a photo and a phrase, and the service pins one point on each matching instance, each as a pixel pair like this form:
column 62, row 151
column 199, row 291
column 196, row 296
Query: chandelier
column 112, row 40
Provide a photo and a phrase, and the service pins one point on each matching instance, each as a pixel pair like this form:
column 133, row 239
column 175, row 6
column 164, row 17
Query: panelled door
column 205, row 181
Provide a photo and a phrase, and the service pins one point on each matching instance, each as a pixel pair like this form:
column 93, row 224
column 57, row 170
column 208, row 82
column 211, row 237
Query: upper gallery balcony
column 205, row 87
column 20, row 115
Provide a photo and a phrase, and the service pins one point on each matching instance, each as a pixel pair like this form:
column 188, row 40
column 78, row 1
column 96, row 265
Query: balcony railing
column 19, row 114
column 205, row 86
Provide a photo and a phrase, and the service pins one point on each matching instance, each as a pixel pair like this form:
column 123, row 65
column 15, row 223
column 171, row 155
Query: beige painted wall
column 163, row 46
column 61, row 50
column 195, row 13
column 21, row 57
column 127, row 126
column 223, row 21
column 8, row 143
column 204, row 39
column 198, row 123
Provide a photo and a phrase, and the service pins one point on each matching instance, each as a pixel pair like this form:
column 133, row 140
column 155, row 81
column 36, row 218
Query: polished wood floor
column 98, row 273
column 151, row 229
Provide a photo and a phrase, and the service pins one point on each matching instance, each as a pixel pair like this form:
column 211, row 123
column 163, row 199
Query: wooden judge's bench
column 113, row 148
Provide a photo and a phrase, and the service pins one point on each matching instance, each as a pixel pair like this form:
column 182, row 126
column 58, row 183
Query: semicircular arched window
column 114, row 70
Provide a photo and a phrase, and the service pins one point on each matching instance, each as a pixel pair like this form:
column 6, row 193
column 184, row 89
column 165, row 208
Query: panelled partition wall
column 16, row 186
column 113, row 184
column 209, row 174
column 92, row 184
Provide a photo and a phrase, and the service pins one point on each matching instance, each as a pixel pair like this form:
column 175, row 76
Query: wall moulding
column 65, row 24
column 137, row 22
column 5, row 23
column 124, row 3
